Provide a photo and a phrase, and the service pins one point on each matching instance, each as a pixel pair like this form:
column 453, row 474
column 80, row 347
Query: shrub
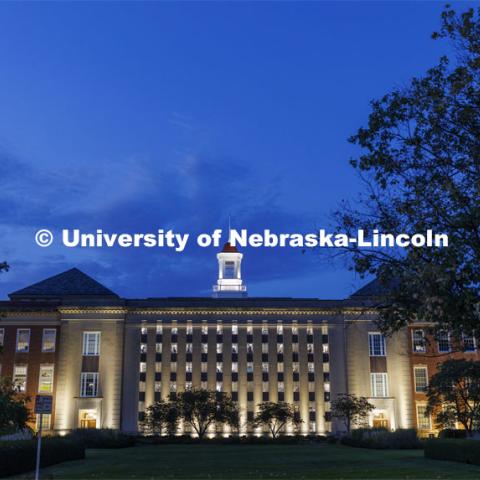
column 465, row 451
column 19, row 456
column 102, row 438
column 381, row 438
column 234, row 439
column 453, row 433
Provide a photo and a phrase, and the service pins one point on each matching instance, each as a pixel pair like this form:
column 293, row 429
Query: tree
column 160, row 417
column 454, row 394
column 275, row 416
column 352, row 409
column 202, row 408
column 420, row 162
column 14, row 413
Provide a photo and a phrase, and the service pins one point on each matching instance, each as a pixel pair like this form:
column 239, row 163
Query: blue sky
column 137, row 116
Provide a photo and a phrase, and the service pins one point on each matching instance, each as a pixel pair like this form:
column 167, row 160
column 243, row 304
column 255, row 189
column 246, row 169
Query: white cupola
column 229, row 283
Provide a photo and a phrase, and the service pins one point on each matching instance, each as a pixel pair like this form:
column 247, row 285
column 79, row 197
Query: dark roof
column 228, row 248
column 72, row 282
column 372, row 289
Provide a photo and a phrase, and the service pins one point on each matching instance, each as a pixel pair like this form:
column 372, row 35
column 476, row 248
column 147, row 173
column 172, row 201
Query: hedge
column 19, row 456
column 233, row 440
column 381, row 438
column 465, row 451
column 102, row 438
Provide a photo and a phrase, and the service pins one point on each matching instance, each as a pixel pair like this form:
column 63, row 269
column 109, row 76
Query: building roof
column 228, row 248
column 372, row 289
column 69, row 283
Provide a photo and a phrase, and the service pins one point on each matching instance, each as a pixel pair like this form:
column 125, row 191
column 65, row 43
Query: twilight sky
column 136, row 116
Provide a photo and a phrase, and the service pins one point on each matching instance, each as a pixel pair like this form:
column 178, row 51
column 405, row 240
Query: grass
column 256, row 462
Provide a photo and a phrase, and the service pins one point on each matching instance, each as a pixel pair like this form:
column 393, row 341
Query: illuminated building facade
column 114, row 357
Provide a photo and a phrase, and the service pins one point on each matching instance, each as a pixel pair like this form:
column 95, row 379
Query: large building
column 105, row 359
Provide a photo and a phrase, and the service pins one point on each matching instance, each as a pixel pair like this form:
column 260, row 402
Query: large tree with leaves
column 352, row 410
column 275, row 416
column 420, row 162
column 202, row 408
column 161, row 417
column 454, row 394
column 14, row 413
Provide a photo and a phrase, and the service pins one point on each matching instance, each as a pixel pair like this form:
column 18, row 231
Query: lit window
column 249, row 347
column 325, row 348
column 265, row 367
column 218, row 386
column 249, row 330
column 281, row 387
column 143, row 331
column 295, row 347
column 204, row 367
column 294, row 330
column 158, row 386
column 189, row 330
column 443, row 342
column 91, row 343
column 48, row 339
column 159, row 330
column 173, row 387
column 143, row 348
column 264, row 347
column 158, row 366
column 88, row 384
column 295, row 367
column 326, row 387
column 379, row 385
column 235, row 329
column 279, row 347
column 173, row 348
column 143, row 367
column 264, row 331
column 469, row 344
column 310, row 348
column 280, row 368
column 23, row 339
column 376, row 343
column 173, row 367
column 45, row 380
column 219, row 347
column 234, row 386
column 311, row 367
column 142, row 386
column 204, row 385
column 204, row 348
column 309, row 331
column 219, row 330
column 249, row 367
column 235, row 367
column 46, row 421
column 234, row 348
column 189, row 348
column 264, row 386
column 421, row 379
column 219, row 367
column 158, row 348
column 174, row 331
column 204, row 330
column 418, row 341
column 188, row 386
column 424, row 421
column 280, row 329
column 20, row 377
column 188, row 367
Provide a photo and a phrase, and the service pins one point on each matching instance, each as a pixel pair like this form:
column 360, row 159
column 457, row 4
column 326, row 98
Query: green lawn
column 255, row 461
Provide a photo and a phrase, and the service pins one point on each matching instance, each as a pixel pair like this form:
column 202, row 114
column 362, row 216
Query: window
column 421, row 379
column 91, row 343
column 45, row 379
column 229, row 269
column 88, row 384
column 469, row 344
column 46, row 421
column 20, row 377
column 379, row 385
column 424, row 422
column 23, row 339
column 443, row 342
column 418, row 341
column 376, row 342
column 2, row 336
column 48, row 339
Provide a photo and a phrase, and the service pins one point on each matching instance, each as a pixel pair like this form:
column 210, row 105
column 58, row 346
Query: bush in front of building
column 455, row 450
column 381, row 438
column 233, row 440
column 19, row 456
column 453, row 433
column 102, row 438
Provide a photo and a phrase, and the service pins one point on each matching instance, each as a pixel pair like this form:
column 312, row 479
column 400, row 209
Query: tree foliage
column 161, row 417
column 420, row 162
column 202, row 408
column 275, row 416
column 454, row 394
column 351, row 409
column 14, row 413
